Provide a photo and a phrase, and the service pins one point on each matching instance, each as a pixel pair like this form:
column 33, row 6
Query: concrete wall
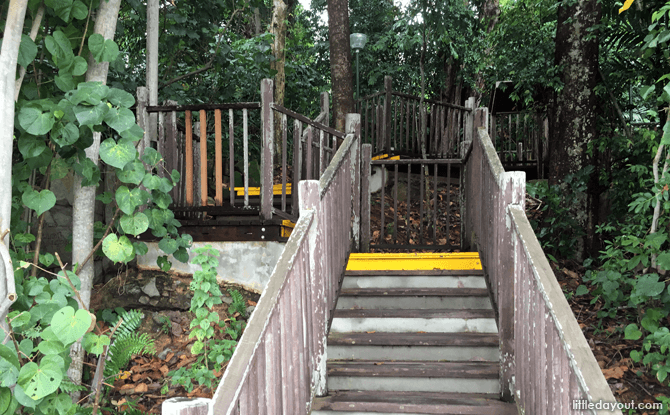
column 248, row 264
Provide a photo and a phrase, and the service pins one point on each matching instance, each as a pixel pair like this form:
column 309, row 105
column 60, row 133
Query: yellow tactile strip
column 414, row 261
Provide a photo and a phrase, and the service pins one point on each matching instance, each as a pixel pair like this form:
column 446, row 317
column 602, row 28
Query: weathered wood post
column 366, row 158
column 513, row 192
column 388, row 97
column 267, row 150
column 353, row 126
column 186, row 406
column 468, row 134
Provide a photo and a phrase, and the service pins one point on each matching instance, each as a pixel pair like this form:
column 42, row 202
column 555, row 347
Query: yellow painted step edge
column 255, row 191
column 414, row 261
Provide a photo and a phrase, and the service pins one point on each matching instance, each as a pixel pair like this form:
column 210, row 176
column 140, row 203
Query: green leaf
column 40, row 381
column 30, row 146
column 133, row 172
column 46, row 259
column 27, row 52
column 60, row 48
column 64, row 81
column 63, row 9
column 5, row 399
column 120, row 119
column 47, row 347
column 129, row 200
column 103, row 50
column 151, row 182
column 89, row 92
column 95, row 344
column 581, row 290
column 168, row 245
column 134, row 133
column 105, row 197
column 120, row 98
column 151, row 156
column 663, row 261
column 117, row 249
column 631, row 332
column 117, row 154
column 40, row 202
column 181, row 255
column 9, row 355
column 197, row 347
column 35, row 121
column 24, row 399
column 69, row 326
column 134, row 224
column 648, row 285
column 80, row 66
column 79, row 10
column 163, row 263
column 140, row 248
column 91, row 115
column 8, row 374
column 162, row 200
column 65, row 135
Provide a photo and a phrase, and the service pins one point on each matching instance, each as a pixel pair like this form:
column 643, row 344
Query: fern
column 67, row 386
column 238, row 305
column 127, row 342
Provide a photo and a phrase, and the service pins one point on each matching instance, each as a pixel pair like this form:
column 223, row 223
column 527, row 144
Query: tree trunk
column 341, row 75
column 278, row 29
column 83, row 212
column 490, row 11
column 8, row 61
column 574, row 121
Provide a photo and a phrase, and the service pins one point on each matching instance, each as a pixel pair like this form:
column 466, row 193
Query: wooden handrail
column 205, row 107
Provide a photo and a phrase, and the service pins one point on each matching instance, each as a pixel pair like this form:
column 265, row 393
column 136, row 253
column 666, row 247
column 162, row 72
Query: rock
column 150, row 289
column 160, row 318
column 144, row 299
column 177, row 329
column 162, row 355
column 250, row 310
column 227, row 299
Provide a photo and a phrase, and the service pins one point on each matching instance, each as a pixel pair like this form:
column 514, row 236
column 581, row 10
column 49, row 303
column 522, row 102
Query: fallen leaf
column 251, row 303
column 615, row 372
column 164, row 370
column 370, row 332
column 141, row 388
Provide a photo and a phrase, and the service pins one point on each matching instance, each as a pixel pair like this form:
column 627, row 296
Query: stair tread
column 414, row 369
column 432, row 272
column 414, row 339
column 414, row 402
column 413, row 313
column 415, row 292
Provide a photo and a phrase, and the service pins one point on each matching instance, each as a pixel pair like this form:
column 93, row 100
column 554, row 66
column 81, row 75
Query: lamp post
column 358, row 41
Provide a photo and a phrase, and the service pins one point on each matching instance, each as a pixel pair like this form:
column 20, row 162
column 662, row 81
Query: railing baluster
column 297, row 165
column 218, row 160
column 189, row 158
column 409, row 206
column 382, row 204
column 309, row 162
column 284, row 164
column 395, row 203
column 421, row 197
column 203, row 158
column 435, row 204
column 231, row 155
column 245, row 148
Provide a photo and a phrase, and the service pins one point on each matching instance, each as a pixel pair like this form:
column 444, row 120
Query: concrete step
column 419, row 298
column 411, row 376
column 414, row 320
column 409, row 280
column 407, row 403
column 414, row 346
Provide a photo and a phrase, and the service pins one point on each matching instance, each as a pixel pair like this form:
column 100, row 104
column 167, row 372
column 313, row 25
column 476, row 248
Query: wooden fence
column 391, row 122
column 546, row 363
column 520, row 139
column 279, row 364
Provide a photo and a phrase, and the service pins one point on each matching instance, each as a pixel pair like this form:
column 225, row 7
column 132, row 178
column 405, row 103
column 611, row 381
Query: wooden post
column 186, row 406
column 267, row 150
column 203, row 158
column 218, row 159
column 143, row 117
column 297, row 165
column 189, row 158
column 171, row 147
column 353, row 126
column 388, row 83
column 366, row 157
column 153, row 8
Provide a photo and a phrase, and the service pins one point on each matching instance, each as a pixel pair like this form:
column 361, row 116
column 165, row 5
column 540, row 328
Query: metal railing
column 279, row 364
column 546, row 363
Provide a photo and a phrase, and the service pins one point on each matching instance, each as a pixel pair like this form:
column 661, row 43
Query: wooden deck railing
column 391, row 122
column 520, row 138
column 279, row 364
column 546, row 363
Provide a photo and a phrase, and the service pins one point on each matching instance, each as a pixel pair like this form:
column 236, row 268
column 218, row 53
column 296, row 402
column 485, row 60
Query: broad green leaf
column 162, row 200
column 181, row 255
column 120, row 98
column 30, row 146
column 47, row 347
column 26, row 348
column 27, row 53
column 60, row 48
column 646, row 90
column 128, row 200
column 40, row 381
column 117, row 249
column 40, row 202
column 117, row 154
column 140, row 248
column 9, row 355
column 103, row 50
column 89, row 92
column 134, row 133
column 69, row 325
column 8, row 373
column 151, row 156
column 168, row 245
column 134, row 224
column 95, row 344
column 46, row 259
column 5, row 398
column 64, row 81
column 105, row 197
column 151, row 182
column 65, row 135
column 23, row 398
column 648, row 285
column 79, row 10
column 663, row 261
column 120, row 119
column 63, row 404
column 631, row 332
column 80, row 66
column 35, row 121
column 91, row 115
column 581, row 290
column 133, row 173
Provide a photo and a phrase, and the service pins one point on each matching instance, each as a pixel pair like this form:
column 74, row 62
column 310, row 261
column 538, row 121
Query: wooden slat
column 245, row 149
column 189, row 158
column 414, row 369
column 395, row 203
column 203, row 158
column 415, row 339
column 203, row 107
column 414, row 313
column 218, row 158
column 297, row 165
column 296, row 116
column 231, row 156
column 283, row 161
column 309, row 162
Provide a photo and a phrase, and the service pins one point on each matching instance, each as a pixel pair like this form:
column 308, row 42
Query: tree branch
column 95, row 248
column 180, row 77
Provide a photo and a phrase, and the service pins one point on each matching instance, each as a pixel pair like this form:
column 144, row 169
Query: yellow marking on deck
column 255, row 191
column 286, row 228
column 414, row 261
column 385, row 157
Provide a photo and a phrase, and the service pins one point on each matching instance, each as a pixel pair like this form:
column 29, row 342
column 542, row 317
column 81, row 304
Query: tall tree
column 341, row 73
column 574, row 120
column 278, row 29
column 83, row 213
column 8, row 60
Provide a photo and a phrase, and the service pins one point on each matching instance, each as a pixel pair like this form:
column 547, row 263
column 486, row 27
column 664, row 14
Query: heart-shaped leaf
column 128, row 200
column 27, row 52
column 103, row 50
column 120, row 119
column 34, row 120
column 60, row 48
column 40, row 381
column 117, row 154
column 30, row 146
column 69, row 325
column 40, row 202
column 120, row 98
column 134, row 224
column 133, row 172
column 117, row 249
column 168, row 245
column 95, row 344
column 91, row 115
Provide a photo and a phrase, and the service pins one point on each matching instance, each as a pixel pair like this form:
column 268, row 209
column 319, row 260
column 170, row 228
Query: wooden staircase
column 413, row 341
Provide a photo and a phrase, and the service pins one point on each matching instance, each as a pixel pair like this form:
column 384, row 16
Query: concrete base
column 248, row 264
column 186, row 406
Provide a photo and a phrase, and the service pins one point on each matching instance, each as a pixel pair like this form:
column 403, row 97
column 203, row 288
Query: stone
column 144, row 299
column 150, row 289
column 250, row 310
column 227, row 299
column 162, row 355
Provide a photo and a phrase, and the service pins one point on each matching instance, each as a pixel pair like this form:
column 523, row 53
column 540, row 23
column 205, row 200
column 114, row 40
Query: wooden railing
column 391, row 122
column 520, row 138
column 546, row 363
column 279, row 364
